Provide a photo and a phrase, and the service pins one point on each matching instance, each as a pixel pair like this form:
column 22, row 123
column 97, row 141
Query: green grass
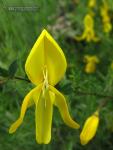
column 18, row 32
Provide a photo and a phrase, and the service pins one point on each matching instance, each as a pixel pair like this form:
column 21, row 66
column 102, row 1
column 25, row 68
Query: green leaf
column 3, row 72
column 12, row 69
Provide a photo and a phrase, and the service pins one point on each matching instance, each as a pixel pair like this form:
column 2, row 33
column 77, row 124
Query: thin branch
column 93, row 93
column 103, row 102
column 2, row 81
column 21, row 78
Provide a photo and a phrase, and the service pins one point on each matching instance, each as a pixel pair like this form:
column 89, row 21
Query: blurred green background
column 64, row 20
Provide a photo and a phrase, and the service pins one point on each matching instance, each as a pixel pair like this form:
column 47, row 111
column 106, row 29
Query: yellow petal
column 89, row 129
column 82, row 37
column 91, row 59
column 92, row 3
column 43, row 118
column 45, row 52
column 107, row 27
column 90, row 68
column 111, row 65
column 88, row 22
column 60, row 102
column 30, row 103
column 26, row 103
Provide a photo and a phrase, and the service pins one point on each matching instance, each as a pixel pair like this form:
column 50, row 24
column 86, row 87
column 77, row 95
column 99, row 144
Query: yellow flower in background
column 107, row 27
column 91, row 62
column 89, row 33
column 104, row 11
column 112, row 65
column 45, row 66
column 90, row 128
column 92, row 3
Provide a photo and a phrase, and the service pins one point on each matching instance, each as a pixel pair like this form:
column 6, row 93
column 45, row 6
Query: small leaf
column 12, row 69
column 3, row 72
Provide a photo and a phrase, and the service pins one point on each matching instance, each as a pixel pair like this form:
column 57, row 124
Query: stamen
column 45, row 74
column 45, row 83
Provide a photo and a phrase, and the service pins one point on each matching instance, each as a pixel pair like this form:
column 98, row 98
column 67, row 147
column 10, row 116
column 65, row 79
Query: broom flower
column 45, row 66
column 92, row 3
column 90, row 128
column 88, row 33
column 104, row 11
column 91, row 62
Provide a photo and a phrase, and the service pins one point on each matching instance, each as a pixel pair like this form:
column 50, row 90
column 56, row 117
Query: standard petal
column 45, row 52
column 26, row 103
column 60, row 102
column 43, row 118
column 35, row 62
column 55, row 59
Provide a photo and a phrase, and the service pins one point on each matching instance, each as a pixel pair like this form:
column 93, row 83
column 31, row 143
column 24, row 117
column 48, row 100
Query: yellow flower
column 89, row 33
column 112, row 65
column 92, row 3
column 107, row 27
column 45, row 66
column 90, row 128
column 104, row 11
column 91, row 62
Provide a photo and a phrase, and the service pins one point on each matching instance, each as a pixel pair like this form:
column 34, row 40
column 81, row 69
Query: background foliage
column 64, row 20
